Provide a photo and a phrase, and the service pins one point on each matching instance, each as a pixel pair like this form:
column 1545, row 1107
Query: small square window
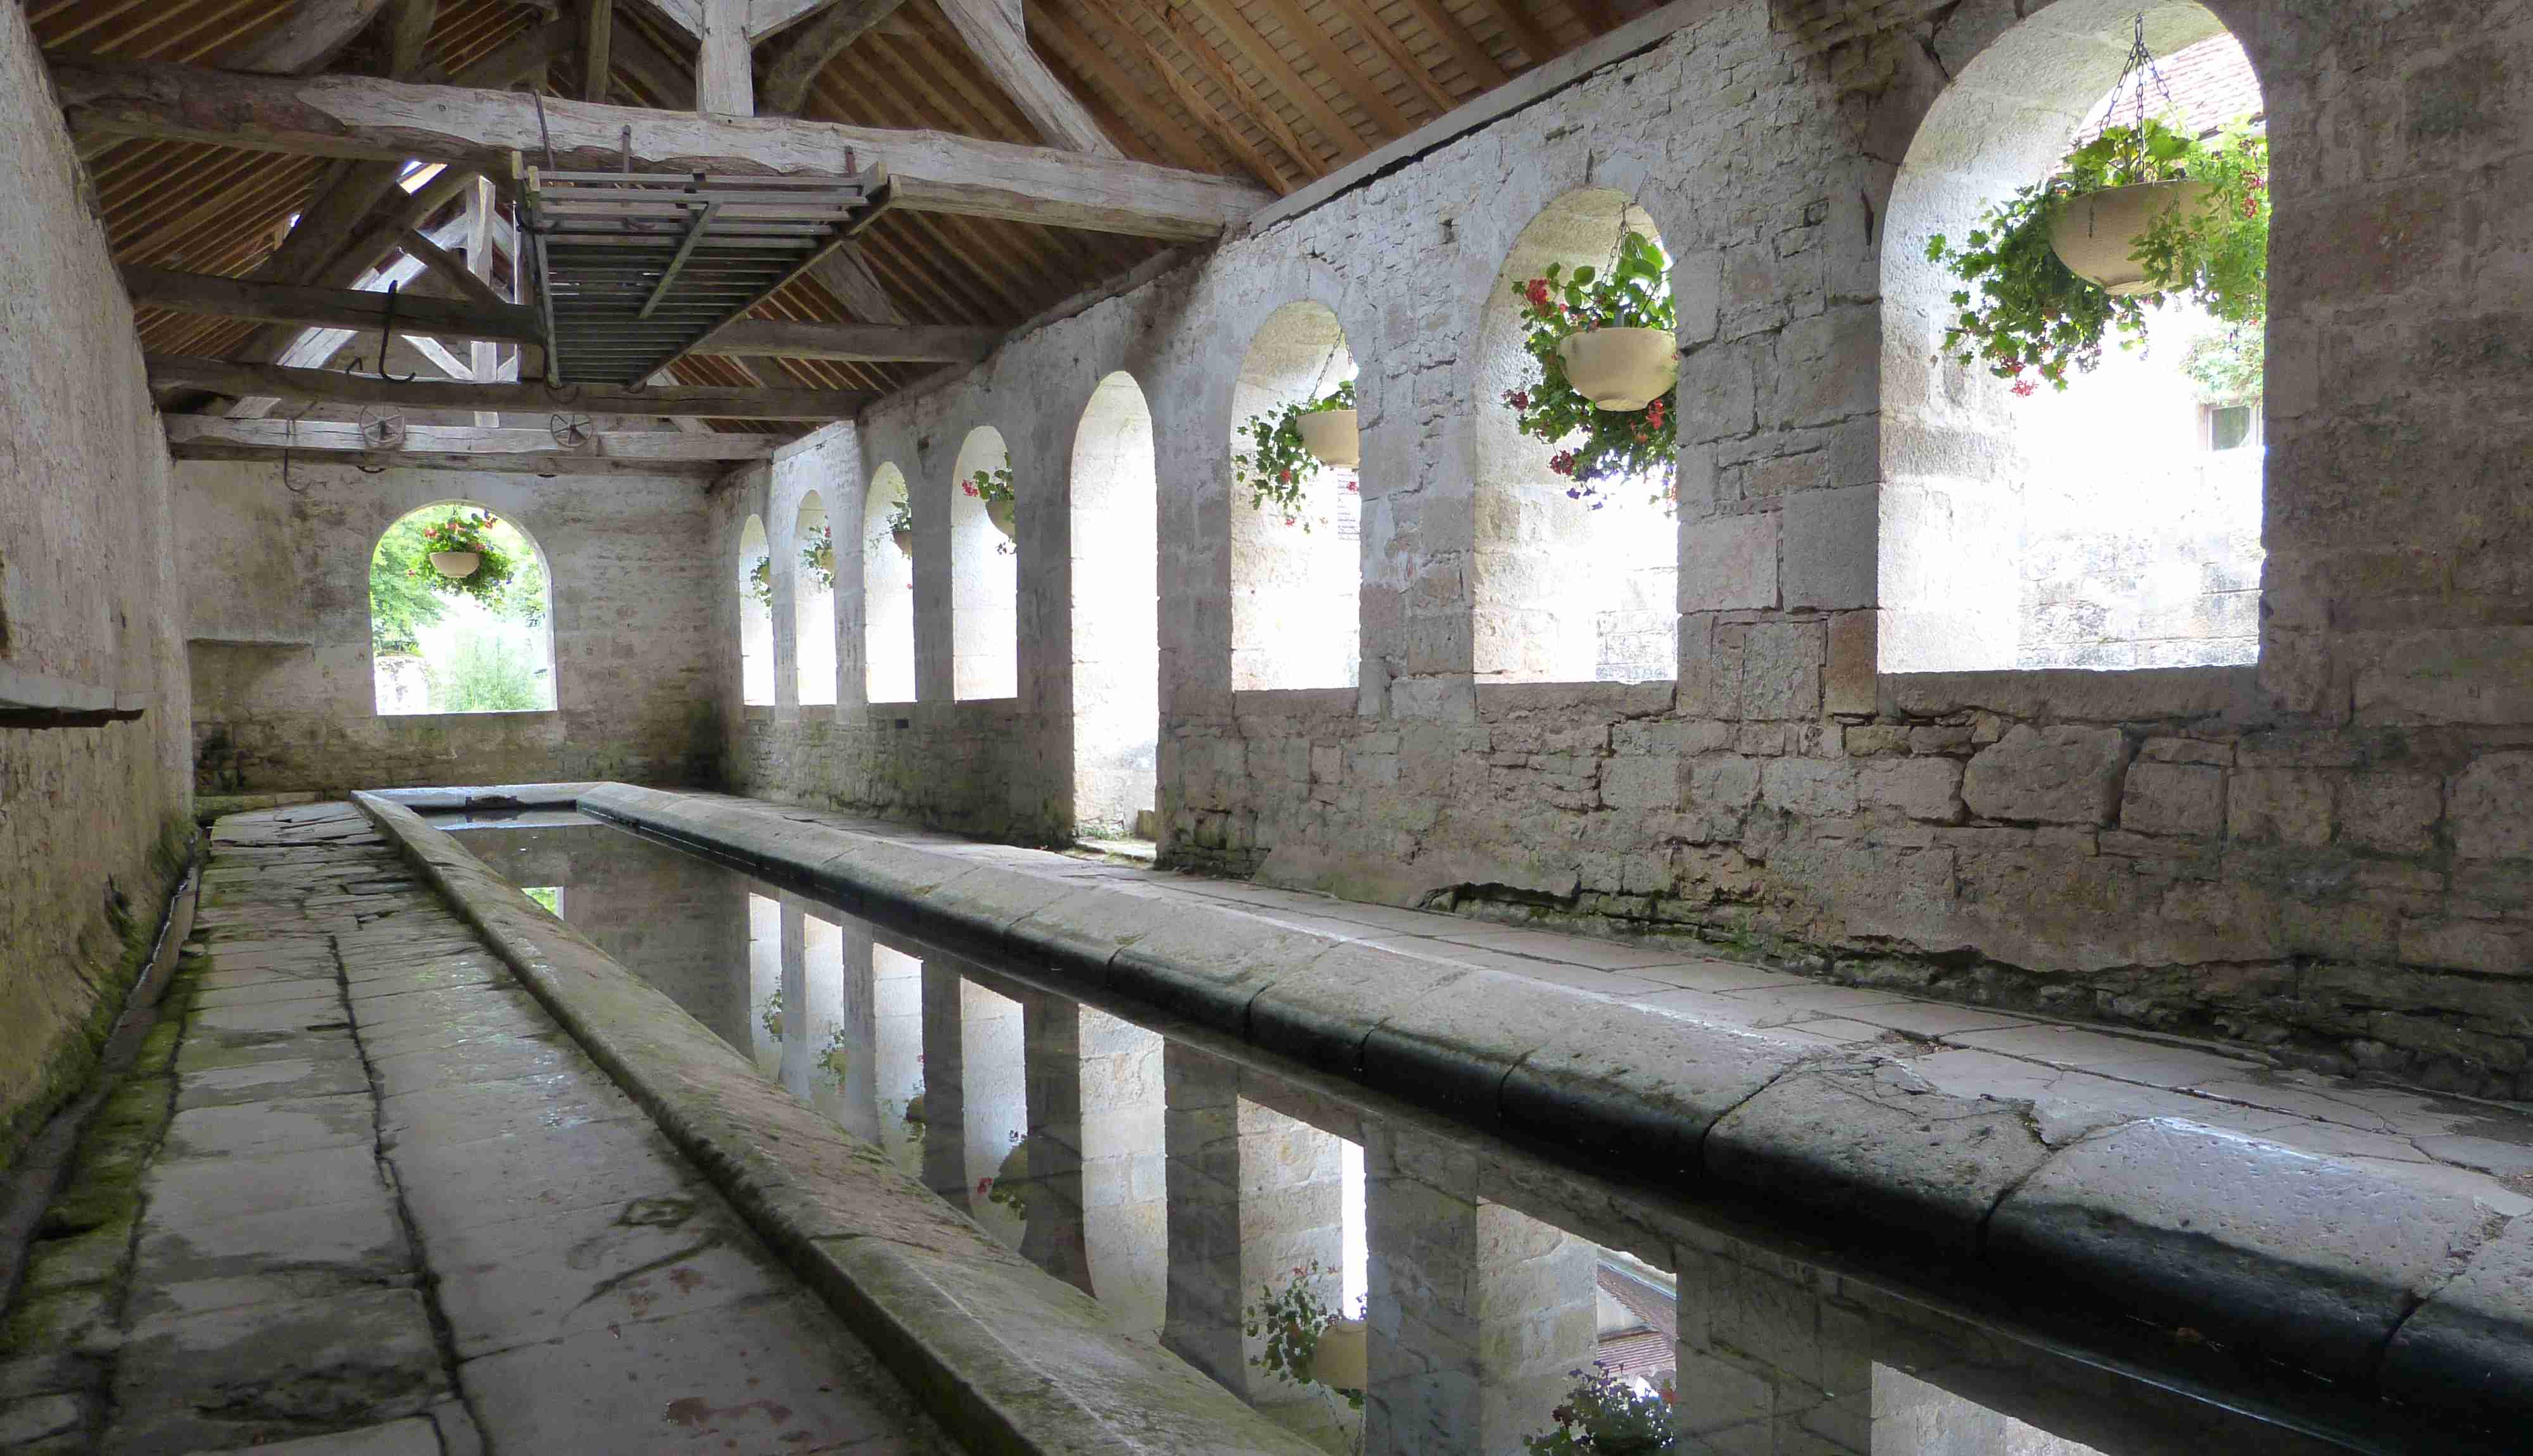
column 2233, row 427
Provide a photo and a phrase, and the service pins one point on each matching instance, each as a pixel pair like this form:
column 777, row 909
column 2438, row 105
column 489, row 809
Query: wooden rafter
column 1334, row 129
column 219, row 376
column 481, row 129
column 1381, row 38
column 461, row 439
column 326, row 308
column 1191, row 100
column 853, row 342
column 806, row 51
column 999, row 42
column 1332, row 58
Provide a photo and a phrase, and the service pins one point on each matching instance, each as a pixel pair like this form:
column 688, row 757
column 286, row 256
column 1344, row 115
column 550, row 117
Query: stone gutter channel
column 2236, row 1216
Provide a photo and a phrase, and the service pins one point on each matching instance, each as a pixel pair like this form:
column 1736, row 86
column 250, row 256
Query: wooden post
column 723, row 84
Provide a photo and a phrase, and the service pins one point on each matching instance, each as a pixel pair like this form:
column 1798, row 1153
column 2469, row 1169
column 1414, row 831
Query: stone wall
column 2326, row 852
column 91, row 818
column 279, row 628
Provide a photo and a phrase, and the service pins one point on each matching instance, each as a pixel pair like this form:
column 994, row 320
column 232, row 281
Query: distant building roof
column 2211, row 84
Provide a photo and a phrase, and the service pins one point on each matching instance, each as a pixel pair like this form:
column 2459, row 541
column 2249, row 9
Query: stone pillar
column 794, row 1073
column 897, row 1053
column 1479, row 1314
column 1053, row 1237
column 1123, row 1204
column 993, row 1072
column 1253, row 1196
column 764, row 980
column 853, row 1072
column 945, row 1093
column 1766, row 1361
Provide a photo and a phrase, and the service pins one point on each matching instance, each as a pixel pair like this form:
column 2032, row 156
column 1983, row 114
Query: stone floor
column 362, row 1196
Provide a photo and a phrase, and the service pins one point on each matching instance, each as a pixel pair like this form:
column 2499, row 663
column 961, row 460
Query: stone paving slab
column 1885, row 1112
column 370, row 1200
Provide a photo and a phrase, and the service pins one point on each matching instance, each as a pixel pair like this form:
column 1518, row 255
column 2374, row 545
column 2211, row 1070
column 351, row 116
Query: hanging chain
column 2142, row 70
column 1319, row 386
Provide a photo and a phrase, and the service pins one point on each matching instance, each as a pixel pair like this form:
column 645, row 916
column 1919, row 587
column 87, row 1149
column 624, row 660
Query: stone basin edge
column 2420, row 1293
column 1006, row 1356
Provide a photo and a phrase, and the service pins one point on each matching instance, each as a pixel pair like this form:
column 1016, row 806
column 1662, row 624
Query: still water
column 1184, row 1181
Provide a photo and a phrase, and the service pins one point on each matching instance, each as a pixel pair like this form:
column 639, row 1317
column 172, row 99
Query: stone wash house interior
column 1744, row 726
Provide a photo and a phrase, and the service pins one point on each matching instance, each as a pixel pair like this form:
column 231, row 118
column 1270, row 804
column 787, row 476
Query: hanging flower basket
column 1344, row 1360
column 1291, row 444
column 901, row 526
column 2142, row 213
column 902, row 537
column 994, row 488
column 1604, row 372
column 1333, row 437
column 2097, row 235
column 818, row 558
column 461, row 557
column 1620, row 370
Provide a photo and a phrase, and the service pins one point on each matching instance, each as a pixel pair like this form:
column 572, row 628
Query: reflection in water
column 1176, row 1184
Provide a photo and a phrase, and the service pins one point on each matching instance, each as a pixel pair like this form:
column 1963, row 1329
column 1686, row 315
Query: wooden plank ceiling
column 1281, row 91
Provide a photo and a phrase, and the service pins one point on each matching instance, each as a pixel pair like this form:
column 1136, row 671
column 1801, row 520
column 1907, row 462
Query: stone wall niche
column 984, row 581
column 1116, row 611
column 1294, row 578
column 1564, row 593
column 2093, row 528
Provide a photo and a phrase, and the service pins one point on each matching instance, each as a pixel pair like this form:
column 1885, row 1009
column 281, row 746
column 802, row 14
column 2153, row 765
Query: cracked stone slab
column 283, row 1079
column 246, row 1129
column 1323, row 1014
column 1645, row 1089
column 527, row 1281
column 411, row 1436
column 268, row 1372
column 1878, row 1142
column 2242, row 1239
column 2466, row 1346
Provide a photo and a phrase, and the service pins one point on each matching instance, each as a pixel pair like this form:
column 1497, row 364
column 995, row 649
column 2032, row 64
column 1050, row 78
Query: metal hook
column 386, row 336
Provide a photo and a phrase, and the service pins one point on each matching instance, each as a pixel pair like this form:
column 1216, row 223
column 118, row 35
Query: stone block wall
column 2326, row 852
column 92, row 818
column 278, row 622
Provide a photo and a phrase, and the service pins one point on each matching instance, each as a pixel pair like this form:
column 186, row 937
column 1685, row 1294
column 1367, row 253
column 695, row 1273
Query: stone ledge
column 2234, row 1242
column 1051, row 1372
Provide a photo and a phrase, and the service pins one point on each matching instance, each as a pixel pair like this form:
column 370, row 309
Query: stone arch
column 984, row 580
column 1116, row 609
column 469, row 656
column 888, row 594
column 1295, row 619
column 1563, row 592
column 756, row 615
column 814, row 603
column 2092, row 529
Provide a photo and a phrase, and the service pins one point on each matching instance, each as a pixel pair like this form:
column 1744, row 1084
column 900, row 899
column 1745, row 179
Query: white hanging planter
column 455, row 564
column 2094, row 234
column 903, row 537
column 1620, row 370
column 1343, row 1360
column 1332, row 436
column 1000, row 513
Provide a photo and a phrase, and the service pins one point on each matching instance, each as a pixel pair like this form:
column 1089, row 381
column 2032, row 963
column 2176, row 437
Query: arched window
column 2114, row 525
column 888, row 589
column 1572, row 582
column 984, row 571
column 460, row 616
column 1116, row 611
column 756, row 615
column 813, row 602
column 1295, row 567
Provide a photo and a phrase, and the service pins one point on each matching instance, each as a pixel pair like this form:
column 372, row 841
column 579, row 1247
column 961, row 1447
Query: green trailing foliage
column 2225, row 364
column 818, row 558
column 1277, row 467
column 1605, row 1416
column 484, row 671
column 1598, row 448
column 760, row 582
column 1292, row 1321
column 2024, row 317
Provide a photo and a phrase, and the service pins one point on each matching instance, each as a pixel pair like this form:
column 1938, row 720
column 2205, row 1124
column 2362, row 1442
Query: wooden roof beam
column 276, row 436
column 328, row 307
column 883, row 344
column 359, row 117
column 1193, row 101
column 1333, row 128
column 808, row 49
column 997, row 37
column 314, row 33
column 333, row 386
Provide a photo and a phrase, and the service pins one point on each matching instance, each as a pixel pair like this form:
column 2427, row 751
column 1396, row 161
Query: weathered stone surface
column 2488, row 806
column 1729, row 561
column 1808, row 786
column 2465, row 1346
column 2288, row 805
column 2170, row 798
column 2059, row 775
column 1928, row 789
column 1879, row 1143
column 2170, row 1216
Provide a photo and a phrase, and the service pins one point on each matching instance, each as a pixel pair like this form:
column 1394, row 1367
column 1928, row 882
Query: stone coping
column 1003, row 1354
column 2372, row 1235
